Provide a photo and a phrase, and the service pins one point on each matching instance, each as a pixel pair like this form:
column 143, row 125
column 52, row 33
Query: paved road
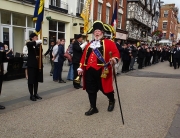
column 150, row 100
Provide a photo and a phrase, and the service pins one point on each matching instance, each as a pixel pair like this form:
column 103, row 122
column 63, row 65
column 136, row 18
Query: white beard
column 99, row 37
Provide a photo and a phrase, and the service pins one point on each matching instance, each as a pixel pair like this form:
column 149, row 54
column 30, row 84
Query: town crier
column 96, row 67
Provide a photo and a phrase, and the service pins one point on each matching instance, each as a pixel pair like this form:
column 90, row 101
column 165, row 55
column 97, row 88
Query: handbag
column 67, row 55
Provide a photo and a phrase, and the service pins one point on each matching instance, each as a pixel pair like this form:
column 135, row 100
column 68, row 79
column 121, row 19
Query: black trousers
column 140, row 63
column 34, row 76
column 1, row 81
column 93, row 85
column 125, row 66
column 60, row 70
column 75, row 67
column 175, row 61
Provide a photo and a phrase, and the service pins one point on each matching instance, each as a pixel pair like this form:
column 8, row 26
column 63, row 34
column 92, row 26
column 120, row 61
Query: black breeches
column 93, row 85
column 1, row 81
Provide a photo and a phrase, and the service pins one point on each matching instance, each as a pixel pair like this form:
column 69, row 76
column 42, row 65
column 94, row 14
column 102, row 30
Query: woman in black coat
column 35, row 74
column 2, row 59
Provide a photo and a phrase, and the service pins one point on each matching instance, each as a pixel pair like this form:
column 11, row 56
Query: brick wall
column 112, row 3
column 172, row 24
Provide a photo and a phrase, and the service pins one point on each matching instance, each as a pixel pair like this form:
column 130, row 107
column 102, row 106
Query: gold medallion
column 103, row 75
column 106, row 70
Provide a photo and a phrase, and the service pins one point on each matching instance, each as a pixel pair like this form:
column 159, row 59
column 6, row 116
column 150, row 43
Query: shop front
column 15, row 29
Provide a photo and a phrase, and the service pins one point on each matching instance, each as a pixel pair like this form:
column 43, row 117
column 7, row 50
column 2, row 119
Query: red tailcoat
column 107, row 46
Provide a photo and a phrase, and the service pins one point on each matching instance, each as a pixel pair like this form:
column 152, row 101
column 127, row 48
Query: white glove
column 38, row 42
column 83, row 45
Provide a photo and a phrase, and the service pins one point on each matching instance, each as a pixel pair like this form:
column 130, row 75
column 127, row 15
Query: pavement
column 150, row 101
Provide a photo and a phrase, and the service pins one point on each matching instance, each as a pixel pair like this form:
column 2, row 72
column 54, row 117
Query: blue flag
column 38, row 15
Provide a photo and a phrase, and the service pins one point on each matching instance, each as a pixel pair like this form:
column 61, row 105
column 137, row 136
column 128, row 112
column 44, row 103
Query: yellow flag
column 85, row 15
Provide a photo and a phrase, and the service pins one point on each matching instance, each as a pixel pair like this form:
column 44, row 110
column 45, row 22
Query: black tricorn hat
column 32, row 35
column 79, row 36
column 98, row 25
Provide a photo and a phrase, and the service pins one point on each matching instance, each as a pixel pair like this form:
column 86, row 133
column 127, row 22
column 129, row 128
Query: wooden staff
column 40, row 53
column 114, row 74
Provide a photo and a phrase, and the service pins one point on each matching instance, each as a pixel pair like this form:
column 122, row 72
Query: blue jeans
column 70, row 73
column 56, row 71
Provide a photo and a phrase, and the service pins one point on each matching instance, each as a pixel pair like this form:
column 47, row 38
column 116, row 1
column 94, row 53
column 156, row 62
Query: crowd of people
column 146, row 55
column 89, row 60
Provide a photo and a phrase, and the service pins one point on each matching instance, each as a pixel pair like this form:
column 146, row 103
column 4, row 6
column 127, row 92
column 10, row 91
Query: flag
column 114, row 18
column 85, row 15
column 38, row 15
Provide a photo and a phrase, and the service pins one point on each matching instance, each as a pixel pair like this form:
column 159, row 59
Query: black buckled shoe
column 91, row 111
column 2, row 107
column 111, row 106
column 37, row 97
column 32, row 98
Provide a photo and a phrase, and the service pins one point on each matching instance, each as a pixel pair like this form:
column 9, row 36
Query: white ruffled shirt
column 95, row 44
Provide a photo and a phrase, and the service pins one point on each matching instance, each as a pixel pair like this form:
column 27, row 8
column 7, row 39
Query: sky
column 177, row 2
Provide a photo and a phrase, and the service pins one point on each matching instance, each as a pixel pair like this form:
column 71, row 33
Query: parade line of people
column 90, row 61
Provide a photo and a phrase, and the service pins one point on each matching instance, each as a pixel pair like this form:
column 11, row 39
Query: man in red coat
column 95, row 66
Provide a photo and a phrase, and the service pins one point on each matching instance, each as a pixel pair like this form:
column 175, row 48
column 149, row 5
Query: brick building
column 103, row 10
column 168, row 22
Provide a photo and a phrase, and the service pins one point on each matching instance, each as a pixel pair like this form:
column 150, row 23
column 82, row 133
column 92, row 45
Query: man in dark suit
column 49, row 51
column 125, row 58
column 119, row 47
column 61, row 59
column 78, row 48
column 2, row 59
column 35, row 74
column 141, row 56
column 133, row 55
column 176, row 56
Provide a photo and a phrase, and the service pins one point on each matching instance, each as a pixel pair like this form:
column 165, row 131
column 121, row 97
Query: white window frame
column 163, row 25
column 119, row 20
column 121, row 3
column 99, row 12
column 107, row 14
column 166, row 11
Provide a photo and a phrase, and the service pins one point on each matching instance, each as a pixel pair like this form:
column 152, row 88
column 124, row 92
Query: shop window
column 56, row 30
column 61, row 35
column 61, row 26
column 52, row 37
column 30, row 22
column 5, row 17
column 53, row 25
column 19, row 19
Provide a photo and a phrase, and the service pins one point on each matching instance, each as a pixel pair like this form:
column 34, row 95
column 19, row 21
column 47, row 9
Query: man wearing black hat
column 176, row 56
column 2, row 59
column 78, row 48
column 35, row 74
column 95, row 66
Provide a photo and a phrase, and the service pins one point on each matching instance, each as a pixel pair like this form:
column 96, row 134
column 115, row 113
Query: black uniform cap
column 79, row 36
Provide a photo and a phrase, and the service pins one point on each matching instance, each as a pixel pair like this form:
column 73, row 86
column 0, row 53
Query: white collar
column 95, row 44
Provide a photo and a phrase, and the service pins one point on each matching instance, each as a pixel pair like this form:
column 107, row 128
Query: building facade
column 103, row 10
column 140, row 15
column 61, row 20
column 168, row 22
